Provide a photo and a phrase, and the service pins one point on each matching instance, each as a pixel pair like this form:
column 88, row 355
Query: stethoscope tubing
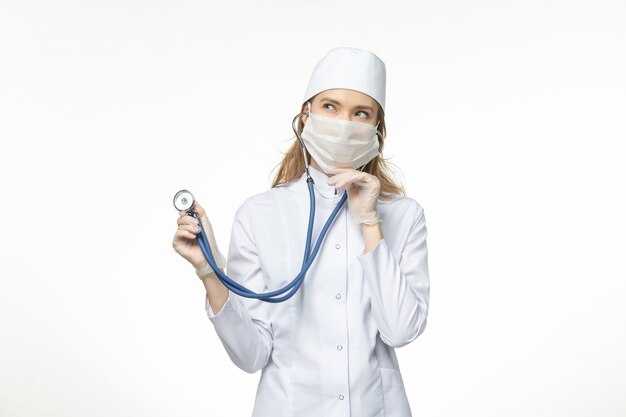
column 307, row 261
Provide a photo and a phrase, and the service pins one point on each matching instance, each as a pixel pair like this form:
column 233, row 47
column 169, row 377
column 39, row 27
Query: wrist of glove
column 370, row 218
column 204, row 270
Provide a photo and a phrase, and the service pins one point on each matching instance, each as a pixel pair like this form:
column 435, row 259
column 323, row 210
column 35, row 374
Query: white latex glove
column 186, row 245
column 363, row 191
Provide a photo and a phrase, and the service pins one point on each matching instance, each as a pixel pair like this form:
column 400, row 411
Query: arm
column 399, row 290
column 242, row 324
column 217, row 293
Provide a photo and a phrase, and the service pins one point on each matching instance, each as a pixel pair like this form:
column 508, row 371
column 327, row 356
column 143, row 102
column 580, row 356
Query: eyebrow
column 338, row 103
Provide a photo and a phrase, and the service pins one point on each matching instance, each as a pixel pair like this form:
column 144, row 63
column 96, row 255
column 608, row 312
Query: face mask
column 337, row 143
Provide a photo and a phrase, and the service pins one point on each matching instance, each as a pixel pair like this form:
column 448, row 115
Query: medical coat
column 329, row 350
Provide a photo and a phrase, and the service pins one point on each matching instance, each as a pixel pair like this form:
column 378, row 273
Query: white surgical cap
column 350, row 68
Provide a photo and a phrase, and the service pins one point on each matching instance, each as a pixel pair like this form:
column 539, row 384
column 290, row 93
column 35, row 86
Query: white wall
column 505, row 117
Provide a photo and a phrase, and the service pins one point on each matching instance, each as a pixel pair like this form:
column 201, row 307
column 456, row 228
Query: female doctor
column 330, row 349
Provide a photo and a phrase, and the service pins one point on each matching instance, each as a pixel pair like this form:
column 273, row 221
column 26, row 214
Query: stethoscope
column 183, row 200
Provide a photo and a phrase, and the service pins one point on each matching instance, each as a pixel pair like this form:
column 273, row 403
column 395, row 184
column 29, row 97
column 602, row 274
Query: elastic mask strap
column 295, row 131
column 380, row 135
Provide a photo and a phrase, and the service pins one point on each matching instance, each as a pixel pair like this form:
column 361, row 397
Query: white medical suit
column 329, row 350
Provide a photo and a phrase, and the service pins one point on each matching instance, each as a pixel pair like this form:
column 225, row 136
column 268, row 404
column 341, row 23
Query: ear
column 305, row 109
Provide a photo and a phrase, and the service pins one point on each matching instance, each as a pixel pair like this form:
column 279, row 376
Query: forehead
column 348, row 97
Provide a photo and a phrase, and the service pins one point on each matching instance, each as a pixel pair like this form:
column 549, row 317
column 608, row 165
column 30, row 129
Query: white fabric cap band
column 350, row 68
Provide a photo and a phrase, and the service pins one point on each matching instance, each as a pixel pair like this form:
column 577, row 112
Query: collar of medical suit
column 321, row 184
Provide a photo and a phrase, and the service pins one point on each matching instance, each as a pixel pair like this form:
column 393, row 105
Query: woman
column 329, row 349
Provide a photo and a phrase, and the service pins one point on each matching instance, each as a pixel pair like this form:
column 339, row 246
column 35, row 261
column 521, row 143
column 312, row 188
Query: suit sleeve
column 399, row 289
column 243, row 324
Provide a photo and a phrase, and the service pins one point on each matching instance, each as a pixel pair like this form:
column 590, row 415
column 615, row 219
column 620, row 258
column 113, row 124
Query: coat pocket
column 396, row 401
column 273, row 398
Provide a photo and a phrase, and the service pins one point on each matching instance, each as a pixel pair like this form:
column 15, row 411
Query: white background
column 506, row 119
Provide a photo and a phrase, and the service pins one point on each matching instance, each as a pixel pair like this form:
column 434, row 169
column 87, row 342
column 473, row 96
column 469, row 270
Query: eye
column 328, row 104
column 365, row 114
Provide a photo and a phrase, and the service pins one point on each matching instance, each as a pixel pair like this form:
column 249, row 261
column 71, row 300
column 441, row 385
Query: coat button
column 339, row 347
column 337, row 246
column 341, row 397
column 338, row 296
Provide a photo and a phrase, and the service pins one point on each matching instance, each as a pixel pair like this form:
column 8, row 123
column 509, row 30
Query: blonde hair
column 292, row 166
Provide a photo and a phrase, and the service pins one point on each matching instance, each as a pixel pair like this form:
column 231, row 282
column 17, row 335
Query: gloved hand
column 363, row 191
column 186, row 245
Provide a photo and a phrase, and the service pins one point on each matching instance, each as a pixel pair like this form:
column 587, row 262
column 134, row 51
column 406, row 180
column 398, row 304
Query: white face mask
column 337, row 143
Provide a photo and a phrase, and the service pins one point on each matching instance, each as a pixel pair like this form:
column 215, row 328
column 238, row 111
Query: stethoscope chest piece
column 183, row 200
